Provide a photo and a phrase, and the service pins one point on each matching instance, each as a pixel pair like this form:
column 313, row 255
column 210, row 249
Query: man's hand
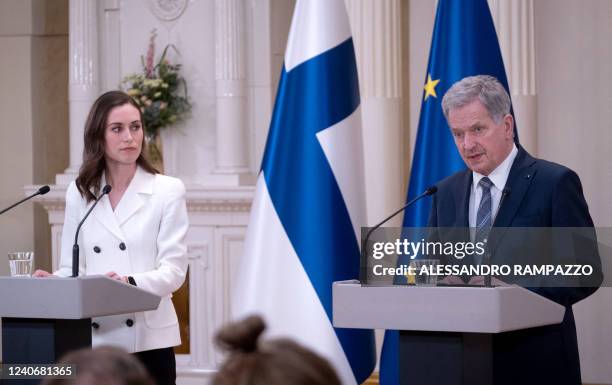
column 451, row 280
column 479, row 281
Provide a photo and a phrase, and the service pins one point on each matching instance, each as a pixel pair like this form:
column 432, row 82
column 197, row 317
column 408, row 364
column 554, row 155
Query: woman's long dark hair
column 94, row 164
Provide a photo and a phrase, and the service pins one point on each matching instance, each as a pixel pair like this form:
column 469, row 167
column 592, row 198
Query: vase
column 155, row 152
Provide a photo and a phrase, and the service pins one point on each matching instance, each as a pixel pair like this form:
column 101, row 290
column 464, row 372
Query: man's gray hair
column 485, row 88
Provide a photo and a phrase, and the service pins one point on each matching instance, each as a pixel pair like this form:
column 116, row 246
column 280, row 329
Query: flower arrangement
column 160, row 91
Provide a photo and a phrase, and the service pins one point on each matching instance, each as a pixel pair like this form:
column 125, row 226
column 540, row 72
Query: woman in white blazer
column 135, row 234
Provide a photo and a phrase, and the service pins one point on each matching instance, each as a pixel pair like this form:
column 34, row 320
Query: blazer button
column 129, row 322
column 97, row 249
column 95, row 325
column 122, row 246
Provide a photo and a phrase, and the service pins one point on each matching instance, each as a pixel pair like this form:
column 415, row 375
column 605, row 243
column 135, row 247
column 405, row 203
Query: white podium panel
column 441, row 309
column 71, row 298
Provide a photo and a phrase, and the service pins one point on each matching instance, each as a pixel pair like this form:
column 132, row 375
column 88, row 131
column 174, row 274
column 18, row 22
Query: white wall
column 574, row 78
column 16, row 133
column 574, row 81
column 33, row 106
column 189, row 148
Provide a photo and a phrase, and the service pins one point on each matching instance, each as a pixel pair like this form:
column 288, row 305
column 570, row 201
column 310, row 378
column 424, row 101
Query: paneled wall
column 34, row 111
column 574, row 98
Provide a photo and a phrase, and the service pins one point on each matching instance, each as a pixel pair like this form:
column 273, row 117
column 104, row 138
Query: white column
column 515, row 30
column 230, row 75
column 376, row 28
column 83, row 76
column 110, row 46
column 377, row 37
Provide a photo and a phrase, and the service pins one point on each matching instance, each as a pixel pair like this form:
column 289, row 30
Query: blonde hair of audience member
column 103, row 366
column 273, row 362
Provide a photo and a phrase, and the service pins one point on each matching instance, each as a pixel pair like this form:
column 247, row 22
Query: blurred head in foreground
column 272, row 362
column 103, row 366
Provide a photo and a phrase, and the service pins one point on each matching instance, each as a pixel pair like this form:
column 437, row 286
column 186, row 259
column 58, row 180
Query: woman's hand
column 41, row 273
column 113, row 275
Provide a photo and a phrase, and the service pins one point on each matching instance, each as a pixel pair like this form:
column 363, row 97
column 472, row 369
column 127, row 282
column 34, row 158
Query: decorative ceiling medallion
column 168, row 10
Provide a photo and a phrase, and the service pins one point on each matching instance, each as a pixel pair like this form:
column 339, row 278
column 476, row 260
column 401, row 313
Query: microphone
column 41, row 191
column 75, row 248
column 487, row 257
column 428, row 191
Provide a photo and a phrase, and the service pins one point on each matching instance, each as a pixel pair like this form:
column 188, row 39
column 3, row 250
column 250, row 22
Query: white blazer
column 142, row 238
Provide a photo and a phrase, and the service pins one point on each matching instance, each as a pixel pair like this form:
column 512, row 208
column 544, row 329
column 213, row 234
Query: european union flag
column 464, row 43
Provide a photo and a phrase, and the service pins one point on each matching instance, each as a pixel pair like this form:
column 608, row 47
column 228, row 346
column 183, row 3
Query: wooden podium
column 445, row 332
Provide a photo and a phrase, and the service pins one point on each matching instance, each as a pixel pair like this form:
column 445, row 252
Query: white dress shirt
column 499, row 176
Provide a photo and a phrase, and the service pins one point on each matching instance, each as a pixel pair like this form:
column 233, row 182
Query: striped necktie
column 483, row 216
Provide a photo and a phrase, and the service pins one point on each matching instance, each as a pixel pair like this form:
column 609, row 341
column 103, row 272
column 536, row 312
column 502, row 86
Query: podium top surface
column 71, row 298
column 444, row 309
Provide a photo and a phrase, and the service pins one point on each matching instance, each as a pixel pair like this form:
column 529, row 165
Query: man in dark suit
column 504, row 187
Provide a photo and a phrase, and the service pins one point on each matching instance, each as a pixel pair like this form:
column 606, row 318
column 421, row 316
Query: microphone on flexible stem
column 428, row 191
column 75, row 248
column 487, row 257
column 41, row 191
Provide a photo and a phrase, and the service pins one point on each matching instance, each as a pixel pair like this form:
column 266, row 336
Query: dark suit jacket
column 543, row 194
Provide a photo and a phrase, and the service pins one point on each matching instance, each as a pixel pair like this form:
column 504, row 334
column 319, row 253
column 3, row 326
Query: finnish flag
column 309, row 203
